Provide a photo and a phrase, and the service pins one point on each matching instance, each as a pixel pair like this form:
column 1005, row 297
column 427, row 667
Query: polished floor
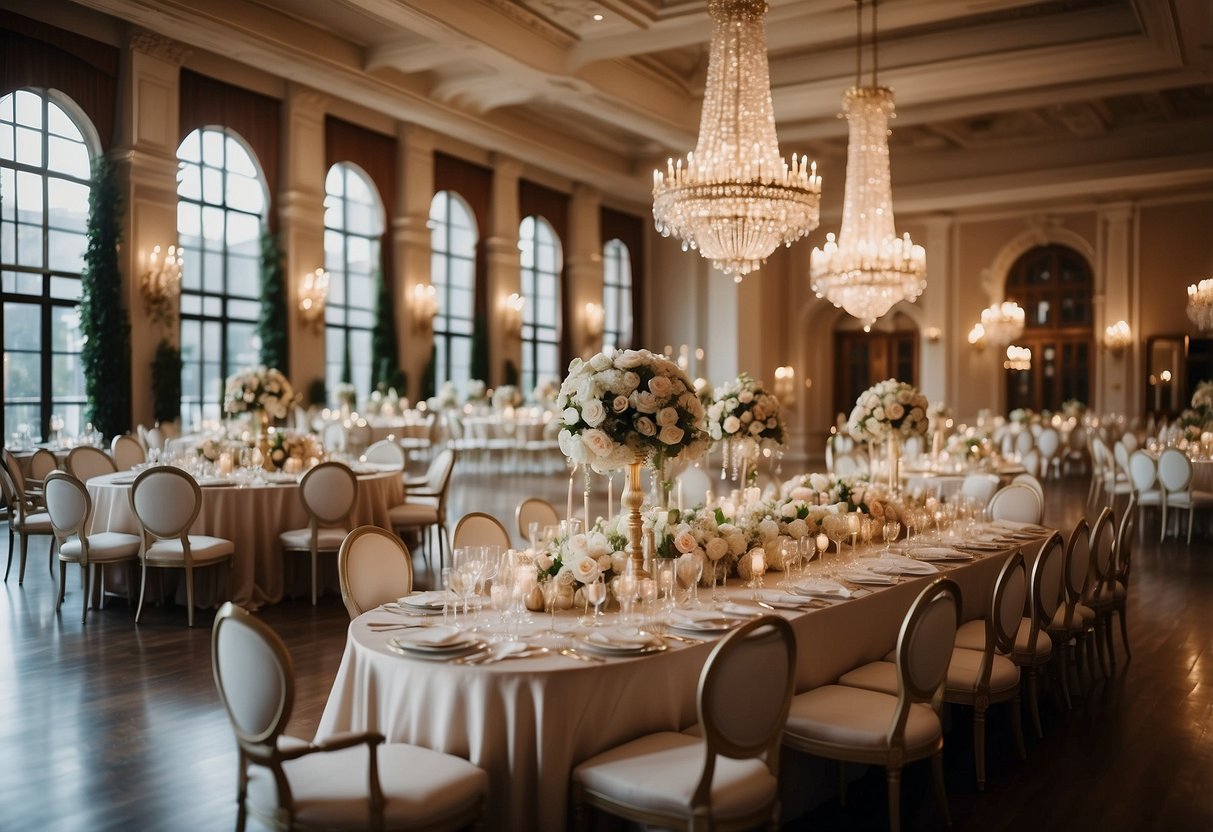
column 109, row 726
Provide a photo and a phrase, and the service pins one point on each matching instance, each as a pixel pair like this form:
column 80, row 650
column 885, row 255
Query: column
column 584, row 268
column 144, row 157
column 411, row 248
column 301, row 225
column 503, row 269
column 1114, row 388
column 937, row 357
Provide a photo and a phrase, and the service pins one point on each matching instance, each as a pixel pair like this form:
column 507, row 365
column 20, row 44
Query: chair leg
column 1162, row 526
column 1191, row 512
column 24, row 552
column 1034, row 701
column 1124, row 631
column 189, row 596
column 979, row 745
column 313, row 577
column 893, row 776
column 9, row 568
column 1017, row 727
column 62, row 585
column 86, row 575
column 940, row 788
column 142, row 589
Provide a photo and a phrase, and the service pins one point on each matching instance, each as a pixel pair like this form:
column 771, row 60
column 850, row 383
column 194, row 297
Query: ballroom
column 596, row 414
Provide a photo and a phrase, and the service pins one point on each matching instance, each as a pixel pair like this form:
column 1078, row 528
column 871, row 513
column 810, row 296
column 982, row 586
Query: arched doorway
column 1053, row 284
column 864, row 358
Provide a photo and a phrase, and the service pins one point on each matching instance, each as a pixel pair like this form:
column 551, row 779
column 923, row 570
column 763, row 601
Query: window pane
column 67, row 205
column 68, row 157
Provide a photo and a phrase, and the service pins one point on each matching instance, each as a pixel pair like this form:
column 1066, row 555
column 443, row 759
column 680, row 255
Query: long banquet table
column 251, row 516
column 528, row 722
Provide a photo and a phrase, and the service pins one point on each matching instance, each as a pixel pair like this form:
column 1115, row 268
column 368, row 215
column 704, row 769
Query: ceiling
column 1109, row 95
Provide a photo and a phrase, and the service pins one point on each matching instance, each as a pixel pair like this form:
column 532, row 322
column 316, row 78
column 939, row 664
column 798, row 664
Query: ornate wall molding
column 1042, row 230
column 158, row 46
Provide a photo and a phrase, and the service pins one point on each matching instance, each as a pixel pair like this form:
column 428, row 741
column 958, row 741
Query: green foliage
column 272, row 323
column 166, row 383
column 480, row 349
column 385, row 352
column 511, row 373
column 104, row 322
column 429, row 381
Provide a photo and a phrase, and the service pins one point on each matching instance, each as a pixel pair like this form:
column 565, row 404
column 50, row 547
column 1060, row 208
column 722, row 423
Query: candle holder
column 632, row 500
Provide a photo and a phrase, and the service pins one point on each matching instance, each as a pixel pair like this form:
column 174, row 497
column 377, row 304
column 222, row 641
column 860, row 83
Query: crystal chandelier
column 1002, row 322
column 736, row 199
column 868, row 268
column 1018, row 358
column 1200, row 304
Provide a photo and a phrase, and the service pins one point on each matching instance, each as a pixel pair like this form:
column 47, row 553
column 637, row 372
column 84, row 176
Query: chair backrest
column 763, row 648
column 69, row 507
column 1077, row 443
column 1123, row 559
column 445, row 460
column 1120, row 454
column 385, row 452
column 924, row 646
column 335, row 436
column 1017, row 502
column 127, row 452
column 255, row 679
column 359, row 435
column 165, row 500
column 1078, row 563
column 479, row 529
column 1103, row 544
column 1046, row 592
column 1024, row 442
column 1006, row 445
column 1048, row 443
column 846, row 464
column 41, row 464
column 1033, row 483
column 695, row 484
column 375, row 567
column 534, row 510
column 1031, row 462
column 86, row 462
column 1007, row 605
column 16, row 475
column 328, row 492
column 980, row 487
column 1174, row 471
column 1143, row 471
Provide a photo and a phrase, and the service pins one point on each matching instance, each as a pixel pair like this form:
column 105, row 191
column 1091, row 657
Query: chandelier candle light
column 736, row 199
column 1002, row 322
column 868, row 268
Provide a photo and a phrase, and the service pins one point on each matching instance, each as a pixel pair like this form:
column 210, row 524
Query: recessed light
column 598, row 17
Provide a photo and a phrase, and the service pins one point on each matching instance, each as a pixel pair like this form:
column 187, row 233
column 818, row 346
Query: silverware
column 582, row 657
column 379, row 627
column 682, row 639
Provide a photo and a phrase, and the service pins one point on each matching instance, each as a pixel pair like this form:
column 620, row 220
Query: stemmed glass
column 789, row 556
column 667, row 580
column 837, row 528
column 595, row 593
column 689, row 572
column 890, row 532
column 56, row 426
column 646, row 594
column 867, row 529
column 624, row 589
column 551, row 594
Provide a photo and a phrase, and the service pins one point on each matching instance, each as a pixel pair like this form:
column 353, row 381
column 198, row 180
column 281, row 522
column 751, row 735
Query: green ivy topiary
column 385, row 355
column 272, row 323
column 166, row 383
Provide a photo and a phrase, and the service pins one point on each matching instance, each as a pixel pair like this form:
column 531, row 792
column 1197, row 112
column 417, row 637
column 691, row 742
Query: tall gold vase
column 632, row 500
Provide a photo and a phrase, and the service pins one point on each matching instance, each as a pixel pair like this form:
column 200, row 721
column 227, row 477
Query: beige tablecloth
column 251, row 517
column 529, row 722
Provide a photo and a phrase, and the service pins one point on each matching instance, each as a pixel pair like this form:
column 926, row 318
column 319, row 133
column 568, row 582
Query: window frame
column 448, row 321
column 617, row 281
column 532, row 330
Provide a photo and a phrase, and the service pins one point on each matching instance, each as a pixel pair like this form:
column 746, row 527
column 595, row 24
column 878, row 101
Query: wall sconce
column 977, row 337
column 595, row 320
column 1018, row 358
column 1118, row 337
column 933, row 334
column 785, row 384
column 514, row 305
column 313, row 294
column 424, row 306
column 161, row 285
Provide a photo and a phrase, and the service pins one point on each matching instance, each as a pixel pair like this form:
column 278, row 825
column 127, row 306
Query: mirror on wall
column 1166, row 374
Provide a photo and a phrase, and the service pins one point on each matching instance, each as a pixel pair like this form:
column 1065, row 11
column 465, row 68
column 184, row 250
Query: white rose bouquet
column 889, row 409
column 506, row 395
column 627, row 404
column 287, row 444
column 476, row 390
column 259, row 389
column 742, row 409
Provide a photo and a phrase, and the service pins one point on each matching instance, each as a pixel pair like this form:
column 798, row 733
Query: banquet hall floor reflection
column 108, row 726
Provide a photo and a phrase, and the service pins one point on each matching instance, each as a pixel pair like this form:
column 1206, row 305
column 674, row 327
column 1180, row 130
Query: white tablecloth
column 251, row 517
column 529, row 722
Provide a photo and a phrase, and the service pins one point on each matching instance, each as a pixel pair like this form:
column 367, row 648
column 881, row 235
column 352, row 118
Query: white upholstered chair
column 1033, row 482
column 728, row 778
column 70, row 509
column 375, row 567
column 1016, row 502
column 1175, row 475
column 1049, row 445
column 852, row 724
column 165, row 501
column 479, row 529
column 385, row 452
column 1073, row 619
column 127, row 452
column 351, row 781
column 1143, row 471
column 424, row 511
column 327, row 492
column 534, row 510
column 24, row 518
column 1098, row 595
column 41, row 464
column 86, row 462
column 980, row 487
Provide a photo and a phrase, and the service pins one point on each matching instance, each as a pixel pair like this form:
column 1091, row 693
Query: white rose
column 630, row 381
column 570, row 416
column 789, row 510
column 737, row 544
column 819, row 482
column 645, row 402
column 619, row 562
column 716, row 548
column 571, row 446
column 645, row 426
column 629, row 359
column 756, row 428
column 620, row 404
column 671, row 435
column 797, row 529
column 684, row 541
column 586, row 570
column 597, row 442
column 543, row 562
column 895, row 411
column 667, row 416
column 878, row 414
column 731, row 424
column 593, row 412
column 768, row 529
column 745, row 396
column 600, row 362
column 802, row 494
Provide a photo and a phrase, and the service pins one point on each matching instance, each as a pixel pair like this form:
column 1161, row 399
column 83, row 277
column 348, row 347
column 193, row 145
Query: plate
column 706, row 622
column 821, row 589
column 900, row 566
column 433, row 641
column 860, row 576
column 627, row 642
column 435, row 599
column 983, row 545
column 939, row 553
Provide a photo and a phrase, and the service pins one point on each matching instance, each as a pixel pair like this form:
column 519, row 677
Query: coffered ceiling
column 1102, row 92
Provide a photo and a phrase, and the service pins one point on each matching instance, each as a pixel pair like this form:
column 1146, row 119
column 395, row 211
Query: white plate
column 860, row 576
column 939, row 553
column 983, row 545
column 821, row 589
column 620, row 642
column 706, row 621
column 435, row 600
column 900, row 566
column 433, row 641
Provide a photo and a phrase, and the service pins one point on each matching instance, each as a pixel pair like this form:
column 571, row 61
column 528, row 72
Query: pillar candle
column 610, row 496
column 568, row 514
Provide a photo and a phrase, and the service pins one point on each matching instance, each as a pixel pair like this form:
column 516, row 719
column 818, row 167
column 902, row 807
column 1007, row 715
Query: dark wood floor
column 109, row 726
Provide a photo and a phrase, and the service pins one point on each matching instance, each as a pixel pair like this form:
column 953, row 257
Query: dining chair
column 70, row 510
column 1073, row 619
column 1016, row 502
column 534, row 510
column 1175, row 475
column 1033, row 482
column 979, row 488
column 727, row 778
column 351, row 781
column 1077, row 452
column 1049, row 445
column 1098, row 595
column 375, row 567
column 425, row 515
column 430, row 484
column 86, row 462
column 853, row 724
column 155, row 438
column 1143, row 470
column 1120, row 585
column 385, row 452
column 358, row 437
column 24, row 519
column 335, row 437
column 1031, row 463
column 127, row 452
column 328, row 492
column 41, row 464
column 477, row 528
column 1024, row 442
column 166, row 501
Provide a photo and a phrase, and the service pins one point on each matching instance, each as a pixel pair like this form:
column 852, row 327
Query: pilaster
column 584, row 267
column 504, row 264
column 411, row 241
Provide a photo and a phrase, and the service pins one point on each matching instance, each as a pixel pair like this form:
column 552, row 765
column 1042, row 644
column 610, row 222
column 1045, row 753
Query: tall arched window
column 541, row 292
column 353, row 224
column 220, row 210
column 453, row 275
column 1053, row 285
column 616, row 295
column 45, row 169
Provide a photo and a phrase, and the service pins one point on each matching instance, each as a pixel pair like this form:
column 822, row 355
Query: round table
column 251, row 516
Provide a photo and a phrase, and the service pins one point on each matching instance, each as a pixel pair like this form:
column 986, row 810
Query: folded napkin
column 862, row 576
column 939, row 553
column 438, row 636
column 731, row 609
column 1016, row 526
column 822, row 588
column 435, row 598
column 621, row 637
column 901, row 566
column 784, row 599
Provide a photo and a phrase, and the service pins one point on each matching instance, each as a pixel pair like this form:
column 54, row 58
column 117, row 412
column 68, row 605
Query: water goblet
column 551, row 594
column 667, row 580
column 623, row 588
column 789, row 555
column 890, row 531
column 646, row 594
column 450, row 610
column 837, row 528
column 867, row 529
column 595, row 594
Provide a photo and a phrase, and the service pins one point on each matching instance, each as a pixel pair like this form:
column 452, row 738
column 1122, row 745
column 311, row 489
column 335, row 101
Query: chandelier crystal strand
column 1200, row 304
column 736, row 199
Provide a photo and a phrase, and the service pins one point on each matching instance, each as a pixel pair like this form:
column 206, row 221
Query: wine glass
column 837, row 528
column 56, row 426
column 551, row 594
column 890, row 531
column 667, row 580
column 689, row 572
column 595, row 593
column 623, row 588
column 532, row 534
column 646, row 594
column 789, row 555
column 867, row 529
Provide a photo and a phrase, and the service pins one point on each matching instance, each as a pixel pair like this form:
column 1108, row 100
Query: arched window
column 453, row 275
column 45, row 169
column 1053, row 285
column 353, row 224
column 220, row 210
column 616, row 295
column 541, row 293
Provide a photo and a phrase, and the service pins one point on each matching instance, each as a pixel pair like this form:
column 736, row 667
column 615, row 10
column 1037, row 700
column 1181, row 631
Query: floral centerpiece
column 546, row 391
column 506, row 395
column 890, row 409
column 285, row 445
column 261, row 391
column 746, row 418
column 476, row 390
column 446, row 398
column 1020, row 416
